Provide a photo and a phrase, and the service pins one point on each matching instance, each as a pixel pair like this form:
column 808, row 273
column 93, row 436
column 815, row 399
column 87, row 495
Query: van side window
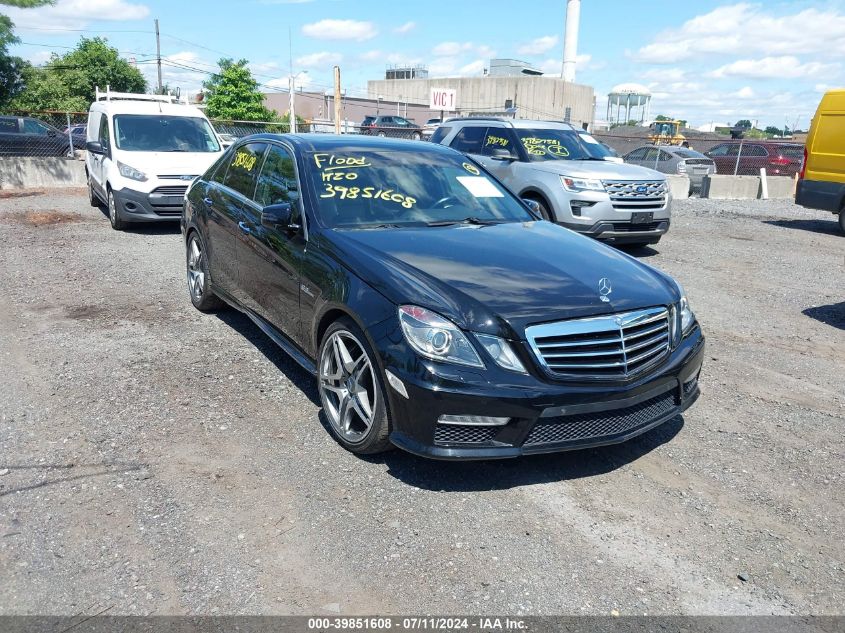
column 244, row 164
column 103, row 136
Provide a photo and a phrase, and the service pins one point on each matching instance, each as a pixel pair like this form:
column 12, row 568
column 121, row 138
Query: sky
column 705, row 61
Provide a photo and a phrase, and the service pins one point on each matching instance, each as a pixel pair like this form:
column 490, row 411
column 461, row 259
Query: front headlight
column 581, row 184
column 687, row 316
column 501, row 352
column 127, row 171
column 434, row 337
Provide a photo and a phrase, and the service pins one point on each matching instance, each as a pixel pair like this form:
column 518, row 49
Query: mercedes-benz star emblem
column 605, row 289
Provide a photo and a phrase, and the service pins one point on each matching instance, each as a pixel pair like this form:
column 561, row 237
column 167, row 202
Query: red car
column 779, row 159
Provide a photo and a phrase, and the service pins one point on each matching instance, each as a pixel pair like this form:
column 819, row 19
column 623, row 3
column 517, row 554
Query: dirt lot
column 158, row 460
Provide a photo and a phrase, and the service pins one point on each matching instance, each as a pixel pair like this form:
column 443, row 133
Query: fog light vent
column 472, row 420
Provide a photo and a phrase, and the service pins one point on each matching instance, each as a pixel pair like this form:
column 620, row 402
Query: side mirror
column 502, row 154
column 279, row 215
column 533, row 206
column 95, row 147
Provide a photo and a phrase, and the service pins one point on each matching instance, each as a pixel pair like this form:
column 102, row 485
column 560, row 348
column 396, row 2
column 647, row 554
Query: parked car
column 395, row 126
column 671, row 159
column 548, row 161
column 821, row 183
column 779, row 159
column 429, row 127
column 78, row 133
column 26, row 136
column 435, row 310
column 143, row 152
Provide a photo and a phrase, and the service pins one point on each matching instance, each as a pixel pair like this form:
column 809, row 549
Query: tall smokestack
column 570, row 39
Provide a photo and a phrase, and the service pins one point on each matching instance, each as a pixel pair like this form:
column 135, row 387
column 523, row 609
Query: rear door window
column 244, row 166
column 34, row 127
column 637, row 154
column 497, row 139
column 277, row 182
column 470, row 139
column 8, row 126
column 440, row 133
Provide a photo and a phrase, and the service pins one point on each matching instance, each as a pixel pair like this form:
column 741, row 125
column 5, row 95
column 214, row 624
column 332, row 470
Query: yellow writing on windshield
column 245, row 160
column 335, row 168
column 472, row 169
column 373, row 193
column 542, row 146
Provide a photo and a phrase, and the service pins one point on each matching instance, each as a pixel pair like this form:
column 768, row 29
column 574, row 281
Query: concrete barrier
column 25, row 171
column 781, row 186
column 731, row 187
column 678, row 186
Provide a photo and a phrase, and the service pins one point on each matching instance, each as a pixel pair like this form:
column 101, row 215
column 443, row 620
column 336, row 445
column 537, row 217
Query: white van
column 143, row 153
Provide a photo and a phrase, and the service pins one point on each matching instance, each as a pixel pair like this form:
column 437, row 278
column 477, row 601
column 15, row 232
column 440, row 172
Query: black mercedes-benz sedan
column 436, row 310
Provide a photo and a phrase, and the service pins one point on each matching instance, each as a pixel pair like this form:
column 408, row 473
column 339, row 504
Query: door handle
column 244, row 227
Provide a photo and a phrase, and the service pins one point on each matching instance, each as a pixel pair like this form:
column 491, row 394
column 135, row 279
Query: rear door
column 497, row 142
column 100, row 127
column 42, row 140
column 230, row 190
column 10, row 138
column 270, row 262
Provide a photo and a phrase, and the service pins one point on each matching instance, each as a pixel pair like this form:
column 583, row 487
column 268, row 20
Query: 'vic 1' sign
column 442, row 99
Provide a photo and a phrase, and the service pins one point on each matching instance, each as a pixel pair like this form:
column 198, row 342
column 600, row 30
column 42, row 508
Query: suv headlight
column 127, row 171
column 434, row 337
column 501, row 352
column 575, row 185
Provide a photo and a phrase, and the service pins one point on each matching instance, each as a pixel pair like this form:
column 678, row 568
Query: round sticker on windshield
column 472, row 169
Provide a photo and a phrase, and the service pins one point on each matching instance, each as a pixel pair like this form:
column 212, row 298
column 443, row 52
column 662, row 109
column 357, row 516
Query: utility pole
column 337, row 97
column 158, row 58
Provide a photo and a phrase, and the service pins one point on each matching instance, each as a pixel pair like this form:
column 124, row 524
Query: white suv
column 143, row 153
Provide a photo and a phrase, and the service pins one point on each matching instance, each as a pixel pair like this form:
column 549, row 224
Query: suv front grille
column 636, row 194
column 611, row 347
column 591, row 426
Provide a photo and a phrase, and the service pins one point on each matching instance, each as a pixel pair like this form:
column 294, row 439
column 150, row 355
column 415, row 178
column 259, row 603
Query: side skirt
column 288, row 347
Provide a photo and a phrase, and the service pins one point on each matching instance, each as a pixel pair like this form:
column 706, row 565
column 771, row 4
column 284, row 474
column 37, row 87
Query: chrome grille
column 636, row 194
column 602, row 424
column 607, row 347
column 171, row 190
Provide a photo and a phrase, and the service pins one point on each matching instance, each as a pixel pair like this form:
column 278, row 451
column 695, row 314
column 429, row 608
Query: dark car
column 779, row 159
column 78, row 133
column 25, row 136
column 437, row 312
column 395, row 126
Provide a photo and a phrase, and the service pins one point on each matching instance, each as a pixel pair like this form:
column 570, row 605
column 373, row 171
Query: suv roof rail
column 108, row 95
column 508, row 120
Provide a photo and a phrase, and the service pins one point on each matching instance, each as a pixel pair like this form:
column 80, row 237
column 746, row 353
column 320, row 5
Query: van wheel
column 93, row 200
column 114, row 216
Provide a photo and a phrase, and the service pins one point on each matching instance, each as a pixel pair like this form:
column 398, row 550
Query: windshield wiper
column 469, row 220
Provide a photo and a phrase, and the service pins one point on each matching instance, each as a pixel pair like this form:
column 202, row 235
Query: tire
column 352, row 390
column 381, row 134
column 544, row 210
column 117, row 223
column 93, row 200
column 842, row 220
column 416, row 136
column 196, row 265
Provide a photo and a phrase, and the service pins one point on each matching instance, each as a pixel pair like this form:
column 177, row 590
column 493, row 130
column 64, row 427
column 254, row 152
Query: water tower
column 623, row 102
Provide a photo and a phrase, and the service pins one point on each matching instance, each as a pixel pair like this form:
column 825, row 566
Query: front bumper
column 544, row 417
column 623, row 231
column 137, row 206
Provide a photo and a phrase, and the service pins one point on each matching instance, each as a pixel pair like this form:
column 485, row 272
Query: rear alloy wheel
column 198, row 287
column 381, row 134
column 117, row 222
column 351, row 390
column 416, row 136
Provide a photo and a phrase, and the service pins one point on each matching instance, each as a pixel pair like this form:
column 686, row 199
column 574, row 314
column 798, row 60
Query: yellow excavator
column 666, row 132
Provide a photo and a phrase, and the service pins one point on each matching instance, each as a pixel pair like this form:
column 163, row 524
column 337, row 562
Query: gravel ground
column 155, row 460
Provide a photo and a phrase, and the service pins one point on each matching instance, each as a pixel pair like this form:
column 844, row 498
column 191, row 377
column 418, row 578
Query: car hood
column 600, row 169
column 501, row 278
column 169, row 163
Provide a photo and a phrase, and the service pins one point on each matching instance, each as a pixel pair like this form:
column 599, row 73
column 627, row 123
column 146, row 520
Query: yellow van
column 821, row 183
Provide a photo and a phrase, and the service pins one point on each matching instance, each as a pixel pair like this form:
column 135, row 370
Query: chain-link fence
column 697, row 154
column 57, row 134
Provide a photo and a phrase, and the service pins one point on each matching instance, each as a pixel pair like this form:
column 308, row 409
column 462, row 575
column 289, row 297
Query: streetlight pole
column 292, row 89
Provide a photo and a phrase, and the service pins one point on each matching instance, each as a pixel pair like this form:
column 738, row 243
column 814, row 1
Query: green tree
column 68, row 82
column 745, row 124
column 27, row 4
column 233, row 94
column 662, row 117
column 771, row 130
column 12, row 68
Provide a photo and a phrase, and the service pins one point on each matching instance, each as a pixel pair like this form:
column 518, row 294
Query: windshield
column 595, row 148
column 542, row 145
column 374, row 188
column 160, row 133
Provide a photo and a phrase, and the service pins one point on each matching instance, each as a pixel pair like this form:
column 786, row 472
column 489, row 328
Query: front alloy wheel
column 351, row 391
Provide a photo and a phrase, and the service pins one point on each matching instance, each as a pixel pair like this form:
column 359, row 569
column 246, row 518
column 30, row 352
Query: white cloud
column 473, row 68
column 721, row 32
column 372, row 56
column 746, row 92
column 405, row 28
column 75, row 14
column 783, row 67
column 449, row 49
column 539, row 46
column 340, row 30
column 317, row 60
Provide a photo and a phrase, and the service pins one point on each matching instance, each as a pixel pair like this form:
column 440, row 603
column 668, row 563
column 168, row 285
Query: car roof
column 316, row 142
column 531, row 124
column 128, row 106
column 669, row 148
